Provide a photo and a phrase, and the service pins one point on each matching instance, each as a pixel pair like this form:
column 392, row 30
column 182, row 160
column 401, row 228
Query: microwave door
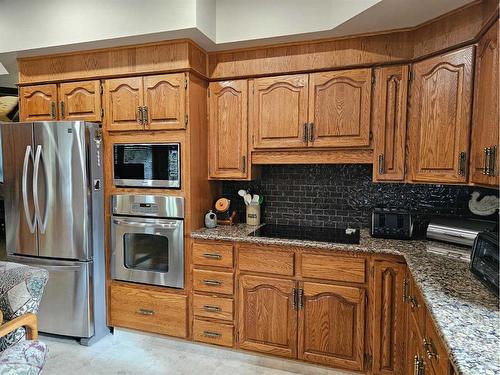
column 18, row 160
column 61, row 190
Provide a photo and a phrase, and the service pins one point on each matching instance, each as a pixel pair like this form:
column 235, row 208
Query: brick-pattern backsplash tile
column 341, row 195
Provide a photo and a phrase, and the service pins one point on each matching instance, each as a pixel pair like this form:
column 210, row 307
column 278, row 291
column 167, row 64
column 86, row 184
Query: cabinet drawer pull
column 212, row 308
column 145, row 312
column 429, row 349
column 213, row 335
column 212, row 256
column 212, row 282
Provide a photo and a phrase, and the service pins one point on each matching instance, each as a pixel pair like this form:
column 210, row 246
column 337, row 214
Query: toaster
column 484, row 260
column 391, row 223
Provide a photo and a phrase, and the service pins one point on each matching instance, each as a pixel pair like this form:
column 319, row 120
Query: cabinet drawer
column 213, row 281
column 213, row 254
column 334, row 267
column 265, row 260
column 150, row 311
column 213, row 307
column 435, row 347
column 213, row 333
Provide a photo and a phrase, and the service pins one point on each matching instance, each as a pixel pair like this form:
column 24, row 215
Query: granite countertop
column 464, row 311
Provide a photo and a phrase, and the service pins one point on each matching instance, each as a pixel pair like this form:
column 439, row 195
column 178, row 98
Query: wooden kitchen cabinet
column 439, row 124
column 38, row 103
column 278, row 107
column 228, row 130
column 165, row 101
column 267, row 316
column 146, row 103
column 484, row 160
column 390, row 95
column 123, row 100
column 339, row 108
column 332, row 325
column 388, row 317
column 80, row 101
column 415, row 359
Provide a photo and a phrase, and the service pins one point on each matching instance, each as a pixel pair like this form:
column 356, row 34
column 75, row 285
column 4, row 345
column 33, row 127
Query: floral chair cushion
column 25, row 358
column 21, row 289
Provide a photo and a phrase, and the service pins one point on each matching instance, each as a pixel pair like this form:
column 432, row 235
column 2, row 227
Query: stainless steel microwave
column 147, row 165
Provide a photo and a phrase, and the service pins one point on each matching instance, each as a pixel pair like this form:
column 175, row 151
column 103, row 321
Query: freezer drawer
column 65, row 308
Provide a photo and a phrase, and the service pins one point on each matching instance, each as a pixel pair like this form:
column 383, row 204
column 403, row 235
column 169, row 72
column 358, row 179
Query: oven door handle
column 170, row 225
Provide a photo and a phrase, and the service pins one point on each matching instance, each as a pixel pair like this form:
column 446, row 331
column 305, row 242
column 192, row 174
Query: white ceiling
column 35, row 27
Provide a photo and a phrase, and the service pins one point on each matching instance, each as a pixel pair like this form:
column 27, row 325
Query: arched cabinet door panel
column 440, row 112
column 123, row 98
column 279, row 111
column 332, row 325
column 267, row 317
column 80, row 101
column 38, row 103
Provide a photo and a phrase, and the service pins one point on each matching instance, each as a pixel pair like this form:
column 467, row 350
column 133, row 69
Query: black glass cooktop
column 292, row 232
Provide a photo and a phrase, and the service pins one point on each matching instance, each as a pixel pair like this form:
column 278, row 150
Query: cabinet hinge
column 371, row 135
column 102, row 112
column 410, row 75
column 368, row 361
column 366, row 299
column 373, row 79
column 101, row 88
column 186, row 84
column 186, row 119
column 237, row 336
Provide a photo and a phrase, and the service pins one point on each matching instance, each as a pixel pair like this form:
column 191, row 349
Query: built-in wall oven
column 147, row 165
column 147, row 239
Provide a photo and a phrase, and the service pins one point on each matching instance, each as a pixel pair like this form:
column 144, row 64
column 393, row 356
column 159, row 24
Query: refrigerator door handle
column 24, row 187
column 36, row 170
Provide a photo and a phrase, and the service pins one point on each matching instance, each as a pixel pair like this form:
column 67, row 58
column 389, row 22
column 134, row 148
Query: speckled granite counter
column 464, row 311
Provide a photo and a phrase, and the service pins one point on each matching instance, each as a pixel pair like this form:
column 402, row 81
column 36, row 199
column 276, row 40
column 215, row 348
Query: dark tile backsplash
column 341, row 195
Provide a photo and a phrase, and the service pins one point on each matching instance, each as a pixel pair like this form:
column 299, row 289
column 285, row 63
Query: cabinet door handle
column 294, row 298
column 212, row 282
column 405, row 290
column 413, row 303
column 62, row 109
column 212, row 335
column 244, row 164
column 301, row 298
column 486, row 160
column 492, row 160
column 145, row 312
column 429, row 349
column 139, row 115
column 212, row 256
column 462, row 156
column 304, row 136
column 381, row 164
column 53, row 110
column 145, row 115
column 311, row 132
column 212, row 308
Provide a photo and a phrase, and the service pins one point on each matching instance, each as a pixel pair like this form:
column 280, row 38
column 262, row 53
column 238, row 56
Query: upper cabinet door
column 332, row 325
column 267, row 318
column 123, row 98
column 227, row 141
column 165, row 101
column 389, row 122
column 485, row 161
column 80, row 101
column 339, row 108
column 38, row 103
column 279, row 111
column 440, row 110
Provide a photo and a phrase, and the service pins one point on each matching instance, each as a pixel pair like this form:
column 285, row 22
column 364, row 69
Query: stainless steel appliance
column 485, row 258
column 459, row 231
column 147, row 239
column 147, row 165
column 391, row 223
column 54, row 213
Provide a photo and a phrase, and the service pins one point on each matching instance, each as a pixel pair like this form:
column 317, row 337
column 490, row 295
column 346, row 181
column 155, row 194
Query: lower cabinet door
column 267, row 316
column 332, row 325
column 388, row 317
column 415, row 360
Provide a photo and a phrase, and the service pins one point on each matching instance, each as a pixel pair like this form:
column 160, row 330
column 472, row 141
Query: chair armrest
column 28, row 321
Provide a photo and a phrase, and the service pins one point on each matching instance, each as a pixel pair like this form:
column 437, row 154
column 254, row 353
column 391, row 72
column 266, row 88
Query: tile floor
column 127, row 352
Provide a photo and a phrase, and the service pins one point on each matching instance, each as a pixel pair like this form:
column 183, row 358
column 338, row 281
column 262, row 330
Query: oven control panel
column 144, row 208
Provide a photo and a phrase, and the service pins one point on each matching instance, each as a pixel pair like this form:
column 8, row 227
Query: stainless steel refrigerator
column 54, row 214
